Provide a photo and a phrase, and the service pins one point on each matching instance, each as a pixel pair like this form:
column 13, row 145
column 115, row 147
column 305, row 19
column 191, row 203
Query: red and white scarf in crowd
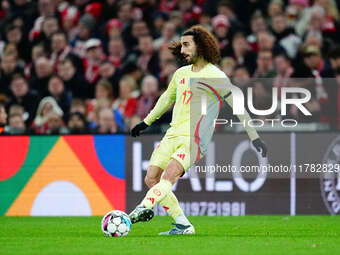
column 92, row 69
column 56, row 57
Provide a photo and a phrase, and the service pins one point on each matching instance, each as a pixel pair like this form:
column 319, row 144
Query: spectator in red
column 257, row 24
column 49, row 26
column 320, row 21
column 125, row 103
column 69, row 20
column 103, row 91
column 46, row 108
column 114, row 28
column 221, row 27
column 94, row 9
column 46, row 8
column 167, row 5
column 190, row 12
column 93, row 58
column 38, row 51
column 61, row 50
column 265, row 41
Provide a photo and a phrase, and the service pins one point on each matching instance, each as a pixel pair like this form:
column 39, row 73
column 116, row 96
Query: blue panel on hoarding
column 111, row 153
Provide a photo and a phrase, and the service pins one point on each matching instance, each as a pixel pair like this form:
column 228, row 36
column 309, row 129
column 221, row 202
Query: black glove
column 260, row 146
column 139, row 127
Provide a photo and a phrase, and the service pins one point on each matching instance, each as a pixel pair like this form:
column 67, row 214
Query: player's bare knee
column 153, row 176
column 150, row 182
column 173, row 171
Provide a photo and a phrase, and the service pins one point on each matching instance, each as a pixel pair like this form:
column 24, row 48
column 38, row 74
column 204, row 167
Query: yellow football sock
column 171, row 205
column 157, row 193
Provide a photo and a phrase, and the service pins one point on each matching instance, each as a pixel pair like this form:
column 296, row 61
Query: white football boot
column 180, row 229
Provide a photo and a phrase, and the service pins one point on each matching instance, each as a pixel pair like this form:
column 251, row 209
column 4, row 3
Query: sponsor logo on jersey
column 181, row 156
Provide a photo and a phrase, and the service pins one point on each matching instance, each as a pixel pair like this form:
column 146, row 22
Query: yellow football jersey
column 187, row 90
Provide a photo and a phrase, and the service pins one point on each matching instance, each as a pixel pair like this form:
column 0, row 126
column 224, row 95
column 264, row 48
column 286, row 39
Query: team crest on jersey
column 157, row 192
column 182, row 81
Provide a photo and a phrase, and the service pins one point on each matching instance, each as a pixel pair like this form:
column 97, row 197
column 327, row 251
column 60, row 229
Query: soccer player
column 186, row 141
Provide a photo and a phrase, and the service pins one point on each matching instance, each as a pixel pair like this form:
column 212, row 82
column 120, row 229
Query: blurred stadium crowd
column 87, row 66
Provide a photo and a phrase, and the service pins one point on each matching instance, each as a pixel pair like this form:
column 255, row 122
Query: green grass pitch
column 215, row 235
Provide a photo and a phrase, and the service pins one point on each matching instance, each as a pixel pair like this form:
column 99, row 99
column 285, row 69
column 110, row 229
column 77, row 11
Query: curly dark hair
column 206, row 43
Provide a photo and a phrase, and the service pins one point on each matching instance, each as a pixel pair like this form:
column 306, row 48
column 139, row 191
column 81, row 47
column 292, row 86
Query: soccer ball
column 116, row 223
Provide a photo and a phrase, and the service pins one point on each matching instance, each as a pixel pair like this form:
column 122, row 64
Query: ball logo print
column 330, row 181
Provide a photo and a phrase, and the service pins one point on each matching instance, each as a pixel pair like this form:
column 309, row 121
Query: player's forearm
column 251, row 131
column 244, row 118
column 162, row 105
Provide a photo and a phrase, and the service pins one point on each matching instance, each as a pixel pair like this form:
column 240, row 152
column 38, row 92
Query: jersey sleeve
column 164, row 102
column 244, row 118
